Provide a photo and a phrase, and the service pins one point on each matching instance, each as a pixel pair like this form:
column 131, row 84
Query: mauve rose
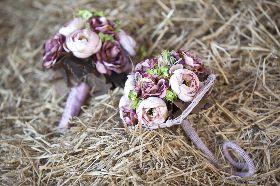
column 152, row 110
column 112, row 57
column 102, row 24
column 192, row 60
column 127, row 42
column 189, row 59
column 71, row 26
column 185, row 84
column 52, row 50
column 149, row 86
column 143, row 66
column 127, row 114
column 83, row 43
column 129, row 84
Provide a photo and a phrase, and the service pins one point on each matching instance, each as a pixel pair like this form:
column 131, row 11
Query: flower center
column 187, row 82
column 82, row 37
column 150, row 112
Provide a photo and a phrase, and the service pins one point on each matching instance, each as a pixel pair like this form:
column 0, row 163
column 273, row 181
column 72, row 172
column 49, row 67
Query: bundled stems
column 248, row 165
column 75, row 100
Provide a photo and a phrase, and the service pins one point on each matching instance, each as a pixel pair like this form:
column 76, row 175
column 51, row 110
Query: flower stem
column 75, row 100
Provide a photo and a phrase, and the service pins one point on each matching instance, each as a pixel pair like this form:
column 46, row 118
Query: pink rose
column 52, row 50
column 83, row 43
column 127, row 114
column 127, row 42
column 151, row 111
column 71, row 26
column 185, row 84
column 149, row 87
column 112, row 57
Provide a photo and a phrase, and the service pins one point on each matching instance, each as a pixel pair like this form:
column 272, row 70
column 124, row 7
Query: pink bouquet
column 89, row 43
column 160, row 91
column 163, row 91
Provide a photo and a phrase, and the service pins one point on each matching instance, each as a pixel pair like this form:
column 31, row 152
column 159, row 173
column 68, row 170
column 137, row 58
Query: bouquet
column 161, row 90
column 88, row 44
column 164, row 90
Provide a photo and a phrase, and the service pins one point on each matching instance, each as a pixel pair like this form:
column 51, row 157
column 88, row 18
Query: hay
column 239, row 41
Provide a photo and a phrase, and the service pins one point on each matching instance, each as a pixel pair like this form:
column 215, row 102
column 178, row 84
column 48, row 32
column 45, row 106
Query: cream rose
column 185, row 84
column 71, row 26
column 83, row 43
column 127, row 42
column 129, row 84
column 152, row 110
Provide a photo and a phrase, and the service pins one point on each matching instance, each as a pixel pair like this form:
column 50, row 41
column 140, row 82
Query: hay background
column 239, row 41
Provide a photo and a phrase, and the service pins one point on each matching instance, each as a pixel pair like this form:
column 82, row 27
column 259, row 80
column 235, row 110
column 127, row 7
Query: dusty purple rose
column 102, row 24
column 111, row 58
column 127, row 114
column 52, row 50
column 143, row 66
column 150, row 87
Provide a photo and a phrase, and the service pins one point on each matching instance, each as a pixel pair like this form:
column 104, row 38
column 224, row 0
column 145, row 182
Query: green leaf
column 167, row 58
column 134, row 100
column 99, row 13
column 170, row 95
column 132, row 95
column 143, row 52
column 164, row 71
column 85, row 14
column 154, row 71
column 117, row 25
column 105, row 37
column 135, row 104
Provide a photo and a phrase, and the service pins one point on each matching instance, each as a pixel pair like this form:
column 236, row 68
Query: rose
column 185, row 84
column 112, row 57
column 52, row 50
column 148, row 87
column 152, row 110
column 191, row 60
column 127, row 42
column 83, row 43
column 71, row 26
column 129, row 84
column 175, row 67
column 127, row 114
column 148, row 64
column 101, row 24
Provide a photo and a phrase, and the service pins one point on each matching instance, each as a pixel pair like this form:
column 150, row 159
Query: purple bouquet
column 89, row 43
